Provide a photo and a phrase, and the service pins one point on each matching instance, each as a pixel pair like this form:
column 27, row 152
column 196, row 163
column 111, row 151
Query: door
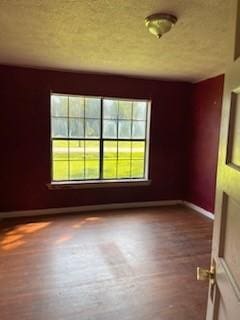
column 224, row 294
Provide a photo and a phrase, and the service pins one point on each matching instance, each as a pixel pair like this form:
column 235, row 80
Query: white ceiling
column 110, row 36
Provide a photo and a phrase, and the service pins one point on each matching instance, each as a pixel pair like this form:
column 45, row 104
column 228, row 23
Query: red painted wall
column 205, row 114
column 25, row 135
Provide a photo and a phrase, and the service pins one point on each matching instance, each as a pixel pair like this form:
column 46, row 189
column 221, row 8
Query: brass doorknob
column 205, row 274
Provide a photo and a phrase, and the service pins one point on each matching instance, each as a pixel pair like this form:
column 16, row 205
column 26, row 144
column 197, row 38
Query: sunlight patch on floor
column 17, row 237
column 63, row 239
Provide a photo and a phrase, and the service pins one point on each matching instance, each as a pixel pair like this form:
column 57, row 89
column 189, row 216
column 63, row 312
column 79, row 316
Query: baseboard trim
column 199, row 209
column 100, row 207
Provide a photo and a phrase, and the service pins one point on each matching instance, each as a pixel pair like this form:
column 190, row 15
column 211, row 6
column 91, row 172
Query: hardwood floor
column 134, row 264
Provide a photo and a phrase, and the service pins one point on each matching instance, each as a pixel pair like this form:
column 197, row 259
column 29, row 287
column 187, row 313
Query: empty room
column 120, row 160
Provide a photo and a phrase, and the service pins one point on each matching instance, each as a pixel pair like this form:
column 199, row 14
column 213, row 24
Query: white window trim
column 91, row 184
column 81, row 184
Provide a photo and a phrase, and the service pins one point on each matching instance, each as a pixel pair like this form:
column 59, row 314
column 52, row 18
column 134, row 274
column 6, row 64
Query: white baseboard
column 100, row 207
column 199, row 209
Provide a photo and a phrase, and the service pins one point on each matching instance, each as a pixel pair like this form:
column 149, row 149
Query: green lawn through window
column 79, row 159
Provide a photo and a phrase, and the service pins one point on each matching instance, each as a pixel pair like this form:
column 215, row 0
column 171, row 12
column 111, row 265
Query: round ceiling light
column 160, row 23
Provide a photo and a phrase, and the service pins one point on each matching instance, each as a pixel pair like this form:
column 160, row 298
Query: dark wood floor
column 122, row 265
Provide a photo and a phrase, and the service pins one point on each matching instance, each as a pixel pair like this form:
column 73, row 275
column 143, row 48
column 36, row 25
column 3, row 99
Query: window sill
column 98, row 184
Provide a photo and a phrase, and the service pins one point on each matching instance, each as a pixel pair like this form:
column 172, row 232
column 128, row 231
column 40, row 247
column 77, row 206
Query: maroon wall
column 205, row 114
column 25, row 136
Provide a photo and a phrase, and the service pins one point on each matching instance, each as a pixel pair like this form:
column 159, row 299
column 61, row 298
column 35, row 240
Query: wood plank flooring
column 134, row 264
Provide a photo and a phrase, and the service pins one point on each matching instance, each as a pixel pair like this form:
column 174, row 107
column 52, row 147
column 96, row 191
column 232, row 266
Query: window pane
column 125, row 110
column 76, row 170
column 92, row 108
column 110, row 169
column 91, row 169
column 59, row 105
column 92, row 150
column 76, row 107
column 110, row 150
column 124, row 169
column 60, row 170
column 76, row 150
column 138, row 130
column 59, row 128
column 138, row 150
column 110, row 109
column 124, row 129
column 124, row 150
column 60, row 150
column 92, row 128
column 109, row 129
column 137, row 169
column 139, row 110
column 76, row 128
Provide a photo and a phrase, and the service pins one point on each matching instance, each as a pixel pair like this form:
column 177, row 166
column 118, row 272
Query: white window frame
column 89, row 183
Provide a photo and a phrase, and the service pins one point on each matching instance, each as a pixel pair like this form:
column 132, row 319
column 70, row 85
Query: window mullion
column 68, row 122
column 117, row 140
column 84, row 142
column 131, row 140
column 101, row 142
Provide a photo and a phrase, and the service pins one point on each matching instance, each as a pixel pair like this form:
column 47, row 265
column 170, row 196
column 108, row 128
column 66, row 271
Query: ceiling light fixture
column 160, row 23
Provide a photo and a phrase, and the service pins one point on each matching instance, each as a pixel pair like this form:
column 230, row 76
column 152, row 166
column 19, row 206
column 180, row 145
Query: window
column 98, row 138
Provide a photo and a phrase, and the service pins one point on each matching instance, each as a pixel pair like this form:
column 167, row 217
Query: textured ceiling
column 109, row 36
